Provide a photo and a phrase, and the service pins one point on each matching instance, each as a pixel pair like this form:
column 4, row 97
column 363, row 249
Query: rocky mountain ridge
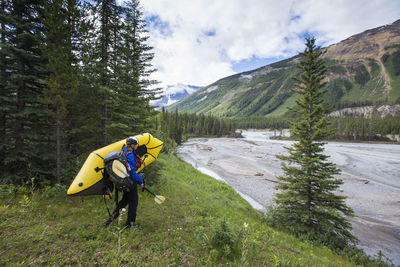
column 362, row 70
column 367, row 111
column 373, row 43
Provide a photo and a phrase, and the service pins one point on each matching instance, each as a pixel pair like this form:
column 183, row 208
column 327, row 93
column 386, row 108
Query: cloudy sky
column 197, row 42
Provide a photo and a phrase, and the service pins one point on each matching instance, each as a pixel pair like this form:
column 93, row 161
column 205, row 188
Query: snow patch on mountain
column 174, row 93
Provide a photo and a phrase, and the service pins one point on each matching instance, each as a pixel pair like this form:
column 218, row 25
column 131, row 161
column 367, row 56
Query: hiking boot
column 131, row 226
column 108, row 222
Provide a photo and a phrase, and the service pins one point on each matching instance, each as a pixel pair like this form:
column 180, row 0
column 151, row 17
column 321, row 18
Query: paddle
column 119, row 168
column 157, row 199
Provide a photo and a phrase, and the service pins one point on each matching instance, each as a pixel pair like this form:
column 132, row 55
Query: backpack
column 117, row 167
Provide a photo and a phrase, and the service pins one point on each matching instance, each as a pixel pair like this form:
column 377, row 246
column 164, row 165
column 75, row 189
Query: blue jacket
column 130, row 157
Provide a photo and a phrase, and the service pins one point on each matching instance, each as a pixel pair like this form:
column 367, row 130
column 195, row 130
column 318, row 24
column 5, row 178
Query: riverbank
column 371, row 175
column 284, row 134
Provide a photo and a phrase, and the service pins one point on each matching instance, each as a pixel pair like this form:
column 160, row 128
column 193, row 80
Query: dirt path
column 371, row 175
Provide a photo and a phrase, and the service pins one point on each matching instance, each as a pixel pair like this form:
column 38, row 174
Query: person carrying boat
column 129, row 197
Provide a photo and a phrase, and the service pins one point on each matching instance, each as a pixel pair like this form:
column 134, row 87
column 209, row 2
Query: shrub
column 225, row 238
column 71, row 166
column 8, row 189
column 153, row 173
column 169, row 146
column 56, row 190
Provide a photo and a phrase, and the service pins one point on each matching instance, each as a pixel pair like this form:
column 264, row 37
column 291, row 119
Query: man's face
column 134, row 147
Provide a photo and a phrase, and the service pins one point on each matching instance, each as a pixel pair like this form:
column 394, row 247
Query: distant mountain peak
column 371, row 43
column 174, row 93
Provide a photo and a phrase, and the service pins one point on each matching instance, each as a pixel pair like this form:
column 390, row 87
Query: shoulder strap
column 126, row 152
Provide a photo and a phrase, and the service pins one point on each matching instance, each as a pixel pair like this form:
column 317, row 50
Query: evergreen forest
column 75, row 76
column 349, row 127
column 177, row 127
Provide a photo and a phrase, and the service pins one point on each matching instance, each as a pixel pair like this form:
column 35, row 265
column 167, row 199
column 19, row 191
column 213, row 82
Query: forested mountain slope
column 362, row 70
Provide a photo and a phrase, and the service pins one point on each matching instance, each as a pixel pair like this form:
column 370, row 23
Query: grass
column 186, row 230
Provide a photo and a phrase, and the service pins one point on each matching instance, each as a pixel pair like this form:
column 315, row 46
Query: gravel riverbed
column 371, row 175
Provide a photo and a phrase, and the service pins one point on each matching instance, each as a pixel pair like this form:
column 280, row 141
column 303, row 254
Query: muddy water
column 371, row 175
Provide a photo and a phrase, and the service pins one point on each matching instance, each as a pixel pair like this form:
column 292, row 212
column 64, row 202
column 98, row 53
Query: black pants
column 132, row 199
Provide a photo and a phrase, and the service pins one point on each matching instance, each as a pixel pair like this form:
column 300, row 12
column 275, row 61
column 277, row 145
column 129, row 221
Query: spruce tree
column 24, row 120
column 85, row 107
column 5, row 96
column 306, row 203
column 136, row 57
column 62, row 80
column 89, row 109
column 109, row 18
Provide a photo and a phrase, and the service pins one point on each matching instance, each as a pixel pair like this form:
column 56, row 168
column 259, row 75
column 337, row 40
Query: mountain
column 361, row 70
column 174, row 93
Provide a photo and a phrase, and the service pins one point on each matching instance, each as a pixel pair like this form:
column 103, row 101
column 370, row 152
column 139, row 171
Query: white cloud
column 197, row 42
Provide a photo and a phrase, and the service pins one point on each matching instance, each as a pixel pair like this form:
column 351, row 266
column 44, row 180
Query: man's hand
column 142, row 186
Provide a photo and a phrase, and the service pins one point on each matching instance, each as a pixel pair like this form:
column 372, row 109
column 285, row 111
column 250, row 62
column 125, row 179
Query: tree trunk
column 58, row 137
column 104, row 124
column 20, row 108
column 105, row 44
column 3, row 113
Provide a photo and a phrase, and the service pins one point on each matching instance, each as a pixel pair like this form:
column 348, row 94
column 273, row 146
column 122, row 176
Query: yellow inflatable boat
column 91, row 179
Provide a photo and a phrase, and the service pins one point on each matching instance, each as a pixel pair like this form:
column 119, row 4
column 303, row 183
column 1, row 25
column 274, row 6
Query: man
column 130, row 197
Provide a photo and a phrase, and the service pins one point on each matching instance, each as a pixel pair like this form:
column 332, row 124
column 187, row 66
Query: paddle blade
column 119, row 169
column 159, row 199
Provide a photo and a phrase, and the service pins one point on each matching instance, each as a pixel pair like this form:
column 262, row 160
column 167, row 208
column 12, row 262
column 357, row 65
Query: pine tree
column 24, row 120
column 85, row 107
column 89, row 115
column 306, row 203
column 5, row 97
column 178, row 128
column 62, row 79
column 109, row 13
column 136, row 63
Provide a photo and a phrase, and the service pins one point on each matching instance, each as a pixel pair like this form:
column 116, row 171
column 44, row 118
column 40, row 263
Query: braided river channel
column 370, row 172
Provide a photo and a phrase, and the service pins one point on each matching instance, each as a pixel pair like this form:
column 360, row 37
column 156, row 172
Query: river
column 370, row 172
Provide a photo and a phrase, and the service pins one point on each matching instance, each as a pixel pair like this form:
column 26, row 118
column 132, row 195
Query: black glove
column 142, row 176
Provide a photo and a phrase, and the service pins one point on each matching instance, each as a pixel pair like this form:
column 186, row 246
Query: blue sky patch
column 294, row 18
column 253, row 63
column 155, row 22
column 310, row 34
column 210, row 33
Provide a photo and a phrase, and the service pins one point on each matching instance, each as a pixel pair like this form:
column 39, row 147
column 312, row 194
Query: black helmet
column 132, row 141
